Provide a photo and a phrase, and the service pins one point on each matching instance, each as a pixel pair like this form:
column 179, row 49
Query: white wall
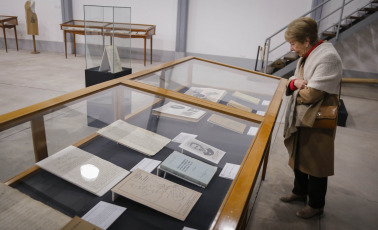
column 236, row 28
column 49, row 17
column 163, row 14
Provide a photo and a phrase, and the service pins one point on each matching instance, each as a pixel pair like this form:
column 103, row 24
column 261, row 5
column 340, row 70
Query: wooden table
column 121, row 30
column 8, row 22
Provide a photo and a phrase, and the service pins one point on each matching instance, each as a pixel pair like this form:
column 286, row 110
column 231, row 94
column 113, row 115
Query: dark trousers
column 314, row 187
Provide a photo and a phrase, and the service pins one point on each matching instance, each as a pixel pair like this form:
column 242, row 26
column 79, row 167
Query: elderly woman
column 316, row 82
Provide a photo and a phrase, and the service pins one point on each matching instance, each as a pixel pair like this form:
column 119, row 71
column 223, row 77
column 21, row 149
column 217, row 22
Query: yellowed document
column 19, row 211
column 158, row 193
column 227, row 123
column 237, row 105
column 246, row 97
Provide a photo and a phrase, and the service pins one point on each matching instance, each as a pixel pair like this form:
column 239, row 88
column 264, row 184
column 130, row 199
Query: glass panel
column 16, row 151
column 107, row 48
column 80, row 119
column 232, row 87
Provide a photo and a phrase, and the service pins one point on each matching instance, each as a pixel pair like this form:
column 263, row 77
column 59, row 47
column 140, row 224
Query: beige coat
column 312, row 150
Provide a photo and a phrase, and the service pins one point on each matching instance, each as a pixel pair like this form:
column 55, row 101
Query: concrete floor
column 352, row 197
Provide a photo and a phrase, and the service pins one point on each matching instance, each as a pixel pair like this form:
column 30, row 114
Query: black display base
column 93, row 76
column 98, row 108
column 342, row 114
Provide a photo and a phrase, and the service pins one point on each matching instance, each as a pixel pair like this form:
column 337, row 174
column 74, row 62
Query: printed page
column 227, row 123
column 19, row 211
column 203, row 150
column 246, row 97
column 158, row 193
column 84, row 170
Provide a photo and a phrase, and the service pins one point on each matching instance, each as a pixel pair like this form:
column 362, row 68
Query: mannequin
column 31, row 21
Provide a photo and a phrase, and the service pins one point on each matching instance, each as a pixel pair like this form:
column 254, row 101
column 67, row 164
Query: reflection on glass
column 89, row 172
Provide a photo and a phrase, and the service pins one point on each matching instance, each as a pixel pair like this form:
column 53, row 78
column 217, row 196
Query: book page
column 227, row 123
column 19, row 211
column 246, row 97
column 158, row 193
column 189, row 168
column 136, row 138
column 203, row 150
column 84, row 170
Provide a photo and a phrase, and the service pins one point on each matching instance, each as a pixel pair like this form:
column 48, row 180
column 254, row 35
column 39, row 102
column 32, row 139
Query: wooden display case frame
column 234, row 210
column 70, row 27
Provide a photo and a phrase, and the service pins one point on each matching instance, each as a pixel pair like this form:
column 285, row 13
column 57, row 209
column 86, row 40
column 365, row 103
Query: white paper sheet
column 265, row 102
column 183, row 137
column 83, row 169
column 252, row 131
column 103, row 214
column 262, row 113
column 229, row 171
column 147, row 165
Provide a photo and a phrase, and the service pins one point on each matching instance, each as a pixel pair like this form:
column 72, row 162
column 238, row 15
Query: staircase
column 285, row 65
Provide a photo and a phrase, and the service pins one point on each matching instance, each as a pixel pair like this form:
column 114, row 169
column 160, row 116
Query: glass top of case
column 77, row 123
column 240, row 89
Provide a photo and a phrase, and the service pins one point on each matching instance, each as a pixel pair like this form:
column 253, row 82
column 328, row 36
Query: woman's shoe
column 293, row 197
column 308, row 212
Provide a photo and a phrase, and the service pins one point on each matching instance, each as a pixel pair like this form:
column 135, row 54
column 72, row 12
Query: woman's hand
column 300, row 84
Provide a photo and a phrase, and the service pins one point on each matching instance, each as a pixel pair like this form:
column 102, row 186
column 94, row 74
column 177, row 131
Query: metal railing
column 267, row 50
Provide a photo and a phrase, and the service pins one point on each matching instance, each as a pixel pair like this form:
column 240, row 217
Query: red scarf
column 308, row 53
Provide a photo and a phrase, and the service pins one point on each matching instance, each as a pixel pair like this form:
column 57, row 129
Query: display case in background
column 107, row 56
column 51, row 126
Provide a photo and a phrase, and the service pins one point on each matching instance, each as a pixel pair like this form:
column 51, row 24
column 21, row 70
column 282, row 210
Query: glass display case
column 107, row 56
column 138, row 99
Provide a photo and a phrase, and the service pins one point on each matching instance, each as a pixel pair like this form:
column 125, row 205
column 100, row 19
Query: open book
column 136, row 138
column 179, row 111
column 157, row 193
column 188, row 168
column 210, row 94
column 84, row 170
